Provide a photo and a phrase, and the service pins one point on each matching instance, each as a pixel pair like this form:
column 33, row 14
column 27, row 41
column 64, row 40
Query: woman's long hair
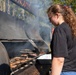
column 67, row 13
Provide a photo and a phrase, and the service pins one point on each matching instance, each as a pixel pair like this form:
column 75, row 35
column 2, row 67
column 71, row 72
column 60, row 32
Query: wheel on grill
column 4, row 61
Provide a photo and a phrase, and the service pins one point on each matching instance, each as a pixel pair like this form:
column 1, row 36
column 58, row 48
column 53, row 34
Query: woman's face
column 54, row 19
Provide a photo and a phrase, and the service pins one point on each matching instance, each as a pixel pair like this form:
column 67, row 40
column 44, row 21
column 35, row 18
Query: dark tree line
column 71, row 3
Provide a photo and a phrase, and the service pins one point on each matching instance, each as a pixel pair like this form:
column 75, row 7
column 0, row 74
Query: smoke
column 35, row 27
column 11, row 28
column 39, row 26
column 14, row 48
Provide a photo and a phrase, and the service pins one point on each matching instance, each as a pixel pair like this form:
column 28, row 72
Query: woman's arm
column 57, row 65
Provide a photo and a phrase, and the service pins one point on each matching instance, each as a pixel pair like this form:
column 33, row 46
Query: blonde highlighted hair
column 67, row 13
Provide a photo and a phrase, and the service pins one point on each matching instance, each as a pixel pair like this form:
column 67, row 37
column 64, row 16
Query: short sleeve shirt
column 59, row 42
column 63, row 45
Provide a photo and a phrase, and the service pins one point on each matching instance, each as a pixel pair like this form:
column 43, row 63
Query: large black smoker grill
column 13, row 44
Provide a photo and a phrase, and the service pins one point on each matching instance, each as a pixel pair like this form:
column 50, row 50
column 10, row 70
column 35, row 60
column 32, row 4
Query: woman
column 63, row 44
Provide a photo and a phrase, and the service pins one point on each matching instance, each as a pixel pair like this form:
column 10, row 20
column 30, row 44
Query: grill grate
column 23, row 62
column 23, row 66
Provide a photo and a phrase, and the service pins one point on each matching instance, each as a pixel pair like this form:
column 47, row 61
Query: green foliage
column 71, row 3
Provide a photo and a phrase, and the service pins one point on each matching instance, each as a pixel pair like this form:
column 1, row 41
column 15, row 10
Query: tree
column 71, row 3
column 2, row 5
column 8, row 6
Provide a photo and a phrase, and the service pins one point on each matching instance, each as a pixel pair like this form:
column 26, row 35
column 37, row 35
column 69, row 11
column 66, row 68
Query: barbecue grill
column 22, row 46
column 35, row 65
column 27, row 61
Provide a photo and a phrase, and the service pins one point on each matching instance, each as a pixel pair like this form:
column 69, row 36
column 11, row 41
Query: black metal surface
column 3, row 55
column 14, row 28
column 4, row 61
